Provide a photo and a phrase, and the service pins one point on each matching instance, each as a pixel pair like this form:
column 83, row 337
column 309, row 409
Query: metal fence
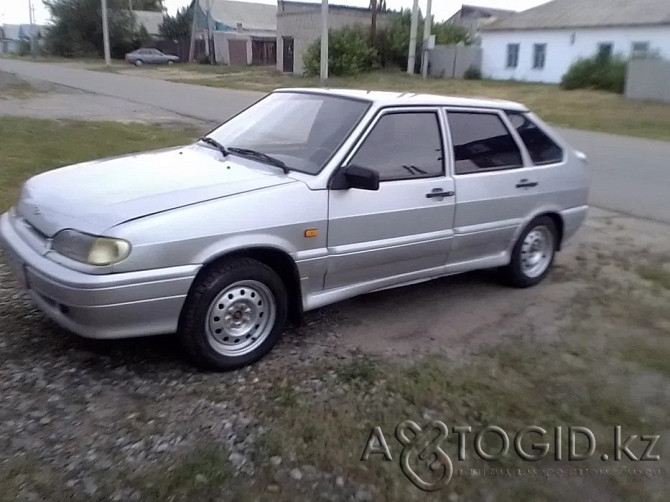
column 648, row 80
column 452, row 61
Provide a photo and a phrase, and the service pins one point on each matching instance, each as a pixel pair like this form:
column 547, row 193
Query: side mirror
column 581, row 156
column 362, row 178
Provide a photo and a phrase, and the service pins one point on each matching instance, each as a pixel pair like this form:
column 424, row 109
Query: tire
column 170, row 63
column 233, row 316
column 139, row 62
column 533, row 254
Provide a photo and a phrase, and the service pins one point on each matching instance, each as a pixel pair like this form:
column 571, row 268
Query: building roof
column 252, row 16
column 384, row 98
column 485, row 12
column 151, row 20
column 566, row 14
column 311, row 6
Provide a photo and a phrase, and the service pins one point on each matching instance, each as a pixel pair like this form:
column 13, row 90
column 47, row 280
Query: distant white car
column 150, row 56
column 306, row 198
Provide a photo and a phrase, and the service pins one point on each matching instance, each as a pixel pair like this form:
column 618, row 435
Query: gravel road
column 95, row 420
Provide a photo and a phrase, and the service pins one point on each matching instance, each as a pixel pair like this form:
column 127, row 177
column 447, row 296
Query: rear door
column 404, row 229
column 496, row 185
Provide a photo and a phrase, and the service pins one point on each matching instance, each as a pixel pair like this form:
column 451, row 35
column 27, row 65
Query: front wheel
column 533, row 254
column 234, row 315
column 139, row 62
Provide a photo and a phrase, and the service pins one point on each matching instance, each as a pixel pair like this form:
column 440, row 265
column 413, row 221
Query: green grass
column 579, row 109
column 656, row 275
column 32, row 146
column 22, row 90
column 201, row 475
column 587, row 377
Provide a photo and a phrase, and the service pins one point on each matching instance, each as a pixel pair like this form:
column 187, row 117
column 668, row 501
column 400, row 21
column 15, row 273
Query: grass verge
column 32, row 146
column 579, row 109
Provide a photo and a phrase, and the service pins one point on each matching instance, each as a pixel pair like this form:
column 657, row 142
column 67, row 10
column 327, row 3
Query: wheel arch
column 555, row 216
column 560, row 227
column 278, row 260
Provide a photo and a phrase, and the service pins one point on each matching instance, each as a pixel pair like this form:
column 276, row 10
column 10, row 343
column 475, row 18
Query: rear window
column 482, row 143
column 541, row 147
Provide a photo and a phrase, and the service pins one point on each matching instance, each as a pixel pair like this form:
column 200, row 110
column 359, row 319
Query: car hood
column 94, row 196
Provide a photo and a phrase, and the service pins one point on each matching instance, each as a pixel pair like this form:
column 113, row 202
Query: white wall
column 563, row 48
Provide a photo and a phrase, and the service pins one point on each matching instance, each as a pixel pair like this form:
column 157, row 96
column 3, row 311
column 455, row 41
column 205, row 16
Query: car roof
column 385, row 98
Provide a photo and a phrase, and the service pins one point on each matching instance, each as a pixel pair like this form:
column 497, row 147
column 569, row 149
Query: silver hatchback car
column 306, row 198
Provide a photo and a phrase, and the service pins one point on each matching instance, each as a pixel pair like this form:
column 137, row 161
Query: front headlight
column 90, row 249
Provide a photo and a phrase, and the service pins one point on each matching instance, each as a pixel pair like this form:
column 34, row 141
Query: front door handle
column 526, row 184
column 438, row 193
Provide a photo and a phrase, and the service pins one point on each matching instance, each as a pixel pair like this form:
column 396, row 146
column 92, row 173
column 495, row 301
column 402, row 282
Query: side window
column 404, row 145
column 482, row 143
column 541, row 148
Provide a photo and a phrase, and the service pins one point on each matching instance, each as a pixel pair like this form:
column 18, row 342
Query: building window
column 605, row 50
column 512, row 55
column 640, row 49
column 539, row 56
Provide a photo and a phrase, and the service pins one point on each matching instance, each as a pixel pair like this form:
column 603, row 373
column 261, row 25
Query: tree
column 392, row 43
column 447, row 34
column 152, row 5
column 178, row 27
column 376, row 6
column 77, row 28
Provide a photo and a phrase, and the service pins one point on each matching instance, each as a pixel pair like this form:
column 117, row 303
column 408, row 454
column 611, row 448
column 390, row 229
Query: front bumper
column 121, row 305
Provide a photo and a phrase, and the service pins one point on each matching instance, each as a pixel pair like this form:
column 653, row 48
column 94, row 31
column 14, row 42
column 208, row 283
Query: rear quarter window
column 541, row 148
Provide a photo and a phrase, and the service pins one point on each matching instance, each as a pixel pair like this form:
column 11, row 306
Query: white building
column 540, row 44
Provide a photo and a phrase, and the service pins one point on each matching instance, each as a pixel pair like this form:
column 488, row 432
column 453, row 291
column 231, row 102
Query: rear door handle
column 438, row 193
column 526, row 184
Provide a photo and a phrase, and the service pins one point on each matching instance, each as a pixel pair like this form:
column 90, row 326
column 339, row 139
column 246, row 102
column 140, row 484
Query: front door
column 402, row 231
column 496, row 190
column 288, row 54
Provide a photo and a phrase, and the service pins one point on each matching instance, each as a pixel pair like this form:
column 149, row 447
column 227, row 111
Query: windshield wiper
column 215, row 144
column 264, row 157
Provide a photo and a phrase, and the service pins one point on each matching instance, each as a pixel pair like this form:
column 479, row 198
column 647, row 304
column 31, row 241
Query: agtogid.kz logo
column 424, row 446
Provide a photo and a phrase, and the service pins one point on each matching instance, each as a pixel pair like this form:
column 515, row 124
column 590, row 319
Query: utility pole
column 105, row 33
column 130, row 4
column 208, row 45
column 191, row 52
column 32, row 27
column 324, row 42
column 411, row 60
column 426, row 38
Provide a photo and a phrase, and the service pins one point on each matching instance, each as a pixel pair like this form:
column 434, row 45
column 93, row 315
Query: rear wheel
column 533, row 254
column 234, row 314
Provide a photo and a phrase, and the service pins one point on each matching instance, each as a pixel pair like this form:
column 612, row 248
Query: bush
column 349, row 52
column 603, row 73
column 472, row 73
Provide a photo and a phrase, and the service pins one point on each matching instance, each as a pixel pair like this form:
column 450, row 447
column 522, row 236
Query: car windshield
column 303, row 130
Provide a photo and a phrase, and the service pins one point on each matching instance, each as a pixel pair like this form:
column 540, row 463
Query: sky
column 17, row 11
